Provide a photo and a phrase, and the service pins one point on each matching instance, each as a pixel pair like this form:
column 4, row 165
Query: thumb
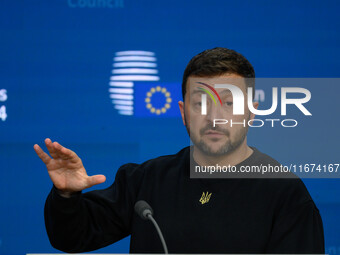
column 96, row 179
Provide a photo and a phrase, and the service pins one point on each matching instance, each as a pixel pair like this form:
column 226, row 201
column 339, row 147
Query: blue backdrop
column 59, row 79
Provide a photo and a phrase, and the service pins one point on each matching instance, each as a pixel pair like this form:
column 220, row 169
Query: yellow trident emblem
column 205, row 198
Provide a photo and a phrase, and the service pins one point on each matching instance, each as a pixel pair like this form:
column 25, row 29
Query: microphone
column 144, row 210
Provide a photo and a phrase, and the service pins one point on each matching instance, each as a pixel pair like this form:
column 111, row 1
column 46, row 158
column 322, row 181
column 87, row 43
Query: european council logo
column 135, row 88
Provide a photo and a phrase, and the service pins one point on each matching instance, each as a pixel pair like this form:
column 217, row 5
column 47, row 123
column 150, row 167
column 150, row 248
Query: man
column 230, row 215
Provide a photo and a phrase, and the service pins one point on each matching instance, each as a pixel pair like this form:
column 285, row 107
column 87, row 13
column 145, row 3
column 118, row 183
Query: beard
column 226, row 148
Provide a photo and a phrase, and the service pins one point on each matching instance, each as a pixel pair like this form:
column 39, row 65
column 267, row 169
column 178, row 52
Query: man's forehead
column 195, row 83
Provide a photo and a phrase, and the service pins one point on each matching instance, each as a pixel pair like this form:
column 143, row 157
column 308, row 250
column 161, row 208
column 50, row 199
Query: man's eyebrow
column 225, row 91
column 196, row 91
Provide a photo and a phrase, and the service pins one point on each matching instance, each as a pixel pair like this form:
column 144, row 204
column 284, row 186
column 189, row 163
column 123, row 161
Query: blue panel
column 57, row 61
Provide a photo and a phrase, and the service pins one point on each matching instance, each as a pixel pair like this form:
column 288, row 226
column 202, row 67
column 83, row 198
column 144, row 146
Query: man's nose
column 214, row 112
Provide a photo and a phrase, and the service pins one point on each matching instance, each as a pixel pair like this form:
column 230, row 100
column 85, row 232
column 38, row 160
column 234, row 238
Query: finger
column 51, row 148
column 96, row 179
column 65, row 153
column 42, row 155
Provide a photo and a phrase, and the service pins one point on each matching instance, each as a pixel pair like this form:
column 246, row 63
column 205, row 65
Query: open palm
column 66, row 169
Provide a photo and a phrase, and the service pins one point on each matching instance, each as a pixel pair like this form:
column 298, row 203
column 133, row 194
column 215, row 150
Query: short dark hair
column 218, row 61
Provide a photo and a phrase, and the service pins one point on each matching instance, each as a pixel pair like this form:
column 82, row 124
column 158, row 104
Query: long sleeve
column 298, row 231
column 95, row 219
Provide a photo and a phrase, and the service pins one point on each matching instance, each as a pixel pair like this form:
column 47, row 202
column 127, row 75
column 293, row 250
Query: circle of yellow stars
column 149, row 95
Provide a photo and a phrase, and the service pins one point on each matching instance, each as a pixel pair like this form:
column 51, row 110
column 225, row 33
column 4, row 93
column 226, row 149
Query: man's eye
column 198, row 103
column 229, row 103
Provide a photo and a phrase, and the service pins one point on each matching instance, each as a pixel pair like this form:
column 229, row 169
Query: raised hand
column 66, row 169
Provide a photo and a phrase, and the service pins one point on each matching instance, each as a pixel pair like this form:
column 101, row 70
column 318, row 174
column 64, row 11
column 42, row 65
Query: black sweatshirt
column 241, row 216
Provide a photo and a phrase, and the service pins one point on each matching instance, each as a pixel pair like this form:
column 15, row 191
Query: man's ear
column 181, row 108
column 255, row 105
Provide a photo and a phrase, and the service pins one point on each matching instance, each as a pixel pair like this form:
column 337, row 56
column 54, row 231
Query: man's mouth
column 213, row 133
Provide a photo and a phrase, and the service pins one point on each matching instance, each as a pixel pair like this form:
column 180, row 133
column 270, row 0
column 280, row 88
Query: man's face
column 221, row 139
